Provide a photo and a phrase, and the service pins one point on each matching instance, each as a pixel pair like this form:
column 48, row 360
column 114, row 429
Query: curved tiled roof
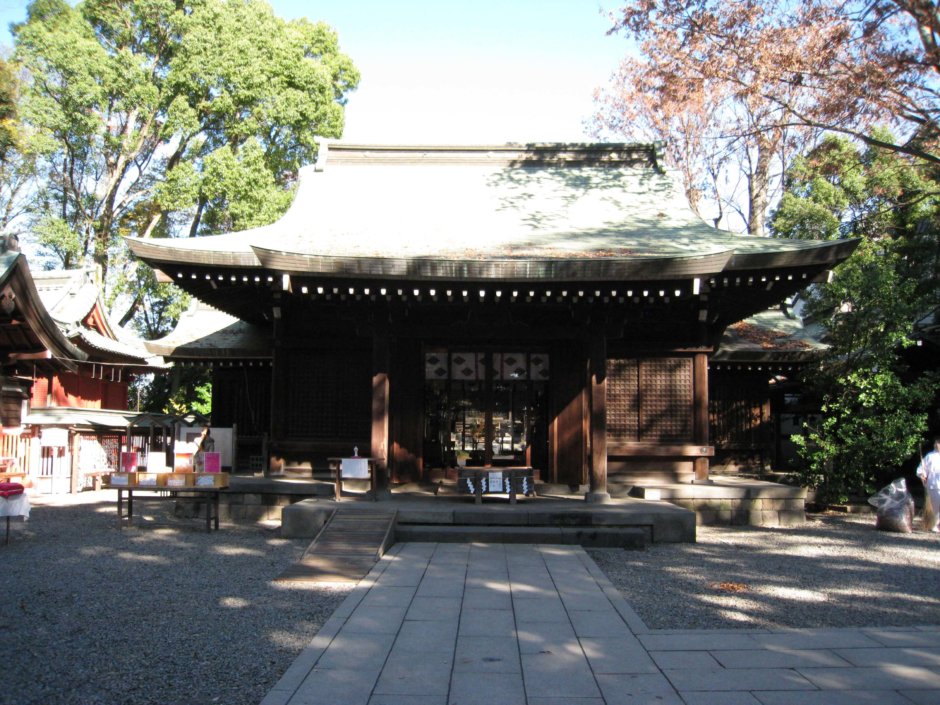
column 72, row 296
column 203, row 332
column 556, row 212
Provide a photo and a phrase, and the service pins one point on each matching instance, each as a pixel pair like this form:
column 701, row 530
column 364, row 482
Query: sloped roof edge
column 14, row 271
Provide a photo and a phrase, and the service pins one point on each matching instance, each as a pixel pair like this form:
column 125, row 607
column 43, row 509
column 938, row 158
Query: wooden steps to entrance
column 346, row 548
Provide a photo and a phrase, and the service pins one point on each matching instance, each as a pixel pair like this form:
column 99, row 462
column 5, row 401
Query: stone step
column 593, row 537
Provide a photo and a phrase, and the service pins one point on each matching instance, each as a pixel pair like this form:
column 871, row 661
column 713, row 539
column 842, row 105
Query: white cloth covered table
column 15, row 506
column 355, row 468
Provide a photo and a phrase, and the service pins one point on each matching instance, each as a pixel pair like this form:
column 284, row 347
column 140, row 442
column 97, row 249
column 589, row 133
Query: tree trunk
column 194, row 228
column 758, row 188
column 131, row 310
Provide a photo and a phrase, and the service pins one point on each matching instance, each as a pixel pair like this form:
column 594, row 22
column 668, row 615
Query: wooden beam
column 380, row 407
column 700, row 413
column 659, row 450
column 598, row 417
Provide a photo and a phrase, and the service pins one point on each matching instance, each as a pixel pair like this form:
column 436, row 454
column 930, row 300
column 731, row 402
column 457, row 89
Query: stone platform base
column 733, row 501
column 654, row 509
column 425, row 516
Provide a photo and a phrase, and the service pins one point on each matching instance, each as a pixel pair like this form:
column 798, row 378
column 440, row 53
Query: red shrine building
column 553, row 306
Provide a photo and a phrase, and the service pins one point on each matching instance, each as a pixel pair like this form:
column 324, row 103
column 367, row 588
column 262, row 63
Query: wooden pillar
column 489, row 433
column 75, row 445
column 597, row 368
column 380, row 408
column 279, row 384
column 700, row 413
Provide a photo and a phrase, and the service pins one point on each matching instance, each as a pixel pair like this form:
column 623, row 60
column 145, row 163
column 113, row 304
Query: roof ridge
column 535, row 154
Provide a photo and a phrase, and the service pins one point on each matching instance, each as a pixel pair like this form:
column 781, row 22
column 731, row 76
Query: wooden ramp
column 347, row 547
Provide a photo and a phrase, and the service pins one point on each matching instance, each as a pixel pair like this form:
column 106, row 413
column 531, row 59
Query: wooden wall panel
column 666, row 406
column 407, row 406
column 739, row 411
column 569, row 412
column 650, row 400
column 329, row 397
column 623, row 400
column 241, row 396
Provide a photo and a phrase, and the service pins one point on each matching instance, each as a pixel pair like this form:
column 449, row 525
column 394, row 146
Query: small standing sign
column 212, row 461
column 183, row 462
column 129, row 461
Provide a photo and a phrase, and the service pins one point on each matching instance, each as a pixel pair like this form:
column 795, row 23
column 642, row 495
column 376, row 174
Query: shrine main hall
column 551, row 306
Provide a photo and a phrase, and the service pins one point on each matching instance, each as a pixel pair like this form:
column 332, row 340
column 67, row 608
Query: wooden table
column 212, row 505
column 493, row 480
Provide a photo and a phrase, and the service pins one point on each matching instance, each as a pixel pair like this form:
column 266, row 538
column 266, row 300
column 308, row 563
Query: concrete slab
column 888, row 677
column 487, row 654
column 503, row 688
column 566, row 674
column 691, row 679
column 698, row 641
column 487, row 622
column 905, row 637
column 435, row 609
column 780, row 658
column 513, row 638
column 914, row 656
column 720, row 698
column 385, row 699
column 829, row 697
column 817, row 639
column 629, row 689
column 617, row 655
column 390, row 595
column 596, row 623
column 684, row 659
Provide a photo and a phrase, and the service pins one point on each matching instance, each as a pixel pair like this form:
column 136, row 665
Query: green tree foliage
column 182, row 391
column 736, row 88
column 17, row 156
column 8, row 91
column 168, row 117
column 874, row 412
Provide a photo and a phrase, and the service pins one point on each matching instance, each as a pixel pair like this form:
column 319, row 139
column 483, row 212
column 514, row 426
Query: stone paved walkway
column 487, row 624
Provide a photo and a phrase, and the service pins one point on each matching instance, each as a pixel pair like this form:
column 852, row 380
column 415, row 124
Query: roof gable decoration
column 27, row 331
column 73, row 298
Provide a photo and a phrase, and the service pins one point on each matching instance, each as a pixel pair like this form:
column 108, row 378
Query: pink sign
column 212, row 462
column 128, row 461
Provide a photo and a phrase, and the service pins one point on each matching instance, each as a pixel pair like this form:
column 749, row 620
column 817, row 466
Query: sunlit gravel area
column 165, row 614
column 836, row 570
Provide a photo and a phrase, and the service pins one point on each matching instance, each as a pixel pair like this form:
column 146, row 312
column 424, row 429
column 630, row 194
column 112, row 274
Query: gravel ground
column 834, row 571
column 168, row 613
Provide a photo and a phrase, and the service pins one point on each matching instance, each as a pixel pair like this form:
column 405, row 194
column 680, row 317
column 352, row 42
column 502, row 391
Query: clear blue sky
column 463, row 72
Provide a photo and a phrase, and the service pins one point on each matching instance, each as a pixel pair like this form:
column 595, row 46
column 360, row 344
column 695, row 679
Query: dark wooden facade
column 583, row 353
column 615, row 406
